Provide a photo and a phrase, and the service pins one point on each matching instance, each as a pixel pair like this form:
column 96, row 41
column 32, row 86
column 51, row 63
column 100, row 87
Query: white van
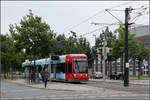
column 97, row 75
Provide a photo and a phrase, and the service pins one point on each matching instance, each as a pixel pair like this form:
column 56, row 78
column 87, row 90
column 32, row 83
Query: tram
column 68, row 68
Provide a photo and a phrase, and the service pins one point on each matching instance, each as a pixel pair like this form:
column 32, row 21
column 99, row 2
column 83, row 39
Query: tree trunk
column 139, row 69
column 110, row 67
column 101, row 67
column 92, row 68
column 149, row 67
column 11, row 70
column 116, row 66
column 106, row 68
column 96, row 65
column 37, row 79
column 7, row 71
column 4, row 72
column 121, row 64
column 134, row 68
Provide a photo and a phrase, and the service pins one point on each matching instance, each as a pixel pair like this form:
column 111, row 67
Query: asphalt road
column 134, row 88
column 15, row 91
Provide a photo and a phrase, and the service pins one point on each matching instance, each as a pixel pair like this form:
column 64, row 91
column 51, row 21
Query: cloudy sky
column 63, row 16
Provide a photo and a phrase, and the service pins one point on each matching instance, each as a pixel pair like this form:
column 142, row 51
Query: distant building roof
column 142, row 34
column 141, row 30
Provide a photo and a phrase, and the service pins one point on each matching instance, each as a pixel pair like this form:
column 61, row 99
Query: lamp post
column 95, row 54
column 24, row 51
column 104, row 58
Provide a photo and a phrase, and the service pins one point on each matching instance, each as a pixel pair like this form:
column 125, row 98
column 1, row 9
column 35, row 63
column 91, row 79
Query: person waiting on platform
column 46, row 76
column 42, row 74
column 33, row 76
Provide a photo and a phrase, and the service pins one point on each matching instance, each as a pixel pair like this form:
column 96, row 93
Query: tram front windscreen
column 80, row 65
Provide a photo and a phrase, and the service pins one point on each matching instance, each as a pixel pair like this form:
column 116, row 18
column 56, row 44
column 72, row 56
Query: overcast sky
column 63, row 15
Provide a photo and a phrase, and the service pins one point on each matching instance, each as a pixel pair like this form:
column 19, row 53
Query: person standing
column 26, row 75
column 33, row 76
column 42, row 74
column 46, row 76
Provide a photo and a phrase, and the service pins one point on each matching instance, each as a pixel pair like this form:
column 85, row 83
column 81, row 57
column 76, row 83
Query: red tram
column 71, row 68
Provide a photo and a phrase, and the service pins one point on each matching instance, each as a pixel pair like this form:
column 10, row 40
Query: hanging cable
column 95, row 15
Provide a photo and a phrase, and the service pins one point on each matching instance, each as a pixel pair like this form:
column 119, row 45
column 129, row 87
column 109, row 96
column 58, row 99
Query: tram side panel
column 57, row 71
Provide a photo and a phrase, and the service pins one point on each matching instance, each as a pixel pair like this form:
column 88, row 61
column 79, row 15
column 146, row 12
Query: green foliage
column 144, row 54
column 39, row 41
column 110, row 39
column 34, row 36
column 10, row 58
column 136, row 50
column 136, row 78
column 72, row 45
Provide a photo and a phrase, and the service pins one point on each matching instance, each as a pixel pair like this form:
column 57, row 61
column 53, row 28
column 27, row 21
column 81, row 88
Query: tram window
column 52, row 67
column 63, row 67
column 60, row 68
column 69, row 67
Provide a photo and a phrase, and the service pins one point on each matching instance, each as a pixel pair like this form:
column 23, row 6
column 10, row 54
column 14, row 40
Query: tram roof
column 44, row 61
column 76, row 55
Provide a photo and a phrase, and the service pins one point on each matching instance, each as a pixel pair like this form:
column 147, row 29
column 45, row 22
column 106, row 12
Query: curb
column 36, row 87
column 21, row 84
column 102, row 91
column 120, row 82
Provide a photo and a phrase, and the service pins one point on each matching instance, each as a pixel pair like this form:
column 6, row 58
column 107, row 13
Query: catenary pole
column 126, row 64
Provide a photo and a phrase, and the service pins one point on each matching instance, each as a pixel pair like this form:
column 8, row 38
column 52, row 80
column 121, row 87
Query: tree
column 143, row 55
column 3, row 52
column 10, row 58
column 118, row 45
column 109, row 37
column 60, row 45
column 72, row 45
column 84, row 47
column 34, row 35
column 135, row 49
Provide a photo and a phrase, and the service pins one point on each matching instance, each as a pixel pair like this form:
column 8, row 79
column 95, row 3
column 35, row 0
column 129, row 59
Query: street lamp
column 96, row 67
column 24, row 51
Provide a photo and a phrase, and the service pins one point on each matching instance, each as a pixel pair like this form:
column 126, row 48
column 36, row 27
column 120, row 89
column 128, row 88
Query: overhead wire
column 140, row 13
column 100, row 28
column 95, row 15
column 119, row 20
column 93, row 31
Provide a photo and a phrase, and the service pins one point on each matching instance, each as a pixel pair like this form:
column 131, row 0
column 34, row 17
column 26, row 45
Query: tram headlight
column 86, row 74
column 74, row 75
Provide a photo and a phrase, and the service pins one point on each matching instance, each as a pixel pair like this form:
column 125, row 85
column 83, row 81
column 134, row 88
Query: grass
column 141, row 78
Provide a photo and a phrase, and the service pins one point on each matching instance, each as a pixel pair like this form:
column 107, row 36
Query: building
column 142, row 34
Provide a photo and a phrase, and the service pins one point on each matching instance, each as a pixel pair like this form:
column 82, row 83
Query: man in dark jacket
column 46, row 76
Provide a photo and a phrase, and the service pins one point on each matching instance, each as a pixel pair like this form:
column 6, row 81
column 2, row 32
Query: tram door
column 53, row 71
column 68, row 70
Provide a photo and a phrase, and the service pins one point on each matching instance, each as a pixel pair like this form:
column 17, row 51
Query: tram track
column 133, row 88
column 140, row 89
